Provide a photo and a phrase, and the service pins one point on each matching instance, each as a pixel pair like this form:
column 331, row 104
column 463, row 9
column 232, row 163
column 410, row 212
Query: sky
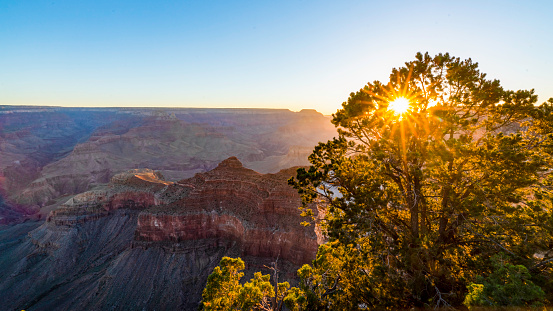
column 255, row 54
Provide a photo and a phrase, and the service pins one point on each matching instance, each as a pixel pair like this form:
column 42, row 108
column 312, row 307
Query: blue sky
column 265, row 54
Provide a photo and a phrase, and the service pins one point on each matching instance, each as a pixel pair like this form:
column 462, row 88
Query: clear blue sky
column 266, row 54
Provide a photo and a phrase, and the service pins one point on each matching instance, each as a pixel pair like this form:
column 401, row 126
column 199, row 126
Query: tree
column 417, row 201
column 507, row 285
column 223, row 290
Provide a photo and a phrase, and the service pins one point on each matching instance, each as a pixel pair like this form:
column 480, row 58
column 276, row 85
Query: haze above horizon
column 255, row 54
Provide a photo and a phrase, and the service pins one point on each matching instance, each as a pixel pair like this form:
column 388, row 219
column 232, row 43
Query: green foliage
column 415, row 204
column 337, row 281
column 223, row 287
column 507, row 285
column 223, row 290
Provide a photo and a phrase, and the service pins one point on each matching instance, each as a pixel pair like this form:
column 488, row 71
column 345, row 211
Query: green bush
column 507, row 285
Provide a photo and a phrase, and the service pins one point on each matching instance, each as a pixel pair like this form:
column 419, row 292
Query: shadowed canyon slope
column 141, row 242
column 48, row 154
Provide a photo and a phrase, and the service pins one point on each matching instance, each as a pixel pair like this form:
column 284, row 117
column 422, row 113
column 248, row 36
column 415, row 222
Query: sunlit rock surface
column 141, row 242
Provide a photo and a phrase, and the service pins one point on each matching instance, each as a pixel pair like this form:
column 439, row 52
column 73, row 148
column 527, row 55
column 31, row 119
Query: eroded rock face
column 33, row 137
column 259, row 212
column 50, row 153
column 141, row 242
column 234, row 203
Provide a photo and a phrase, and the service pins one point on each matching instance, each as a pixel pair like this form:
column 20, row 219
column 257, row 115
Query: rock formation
column 48, row 154
column 141, row 242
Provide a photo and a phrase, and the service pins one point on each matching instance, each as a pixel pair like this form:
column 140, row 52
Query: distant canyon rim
column 48, row 154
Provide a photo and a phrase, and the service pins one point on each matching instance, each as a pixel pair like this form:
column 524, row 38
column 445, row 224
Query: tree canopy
column 223, row 290
column 437, row 191
column 417, row 202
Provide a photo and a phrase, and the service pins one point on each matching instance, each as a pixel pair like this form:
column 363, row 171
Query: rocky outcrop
column 135, row 189
column 47, row 154
column 228, row 204
column 232, row 203
column 141, row 242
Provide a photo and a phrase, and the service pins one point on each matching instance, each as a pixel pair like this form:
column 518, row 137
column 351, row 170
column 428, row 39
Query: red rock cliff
column 232, row 203
column 228, row 205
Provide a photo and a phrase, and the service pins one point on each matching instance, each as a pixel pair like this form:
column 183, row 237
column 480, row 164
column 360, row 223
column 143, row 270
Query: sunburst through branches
column 399, row 105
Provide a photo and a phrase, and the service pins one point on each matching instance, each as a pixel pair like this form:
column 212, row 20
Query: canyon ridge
column 127, row 209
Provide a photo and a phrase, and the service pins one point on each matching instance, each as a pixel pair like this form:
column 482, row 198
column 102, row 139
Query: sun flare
column 399, row 105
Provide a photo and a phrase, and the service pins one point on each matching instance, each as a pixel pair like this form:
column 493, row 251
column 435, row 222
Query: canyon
column 141, row 242
column 48, row 154
column 132, row 210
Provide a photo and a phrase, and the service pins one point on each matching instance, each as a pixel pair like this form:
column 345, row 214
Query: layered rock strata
column 48, row 154
column 141, row 242
column 229, row 203
column 232, row 203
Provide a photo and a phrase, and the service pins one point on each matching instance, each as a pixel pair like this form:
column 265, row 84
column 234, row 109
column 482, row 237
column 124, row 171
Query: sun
column 399, row 105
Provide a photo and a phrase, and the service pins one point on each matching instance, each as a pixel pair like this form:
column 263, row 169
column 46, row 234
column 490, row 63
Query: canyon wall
column 142, row 242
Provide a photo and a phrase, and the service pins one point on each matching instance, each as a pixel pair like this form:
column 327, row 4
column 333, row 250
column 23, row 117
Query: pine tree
column 432, row 174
